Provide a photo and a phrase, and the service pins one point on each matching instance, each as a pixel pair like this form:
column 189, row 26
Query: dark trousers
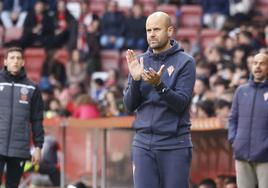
column 161, row 168
column 14, row 170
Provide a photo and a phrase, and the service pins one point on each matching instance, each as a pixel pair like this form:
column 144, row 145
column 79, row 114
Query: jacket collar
column 257, row 84
column 21, row 75
column 163, row 55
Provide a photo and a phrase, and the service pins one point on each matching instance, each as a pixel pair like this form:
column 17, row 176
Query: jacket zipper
column 251, row 120
column 11, row 117
column 152, row 134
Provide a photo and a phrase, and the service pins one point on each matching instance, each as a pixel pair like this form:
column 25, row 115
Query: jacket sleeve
column 37, row 108
column 132, row 95
column 233, row 119
column 180, row 97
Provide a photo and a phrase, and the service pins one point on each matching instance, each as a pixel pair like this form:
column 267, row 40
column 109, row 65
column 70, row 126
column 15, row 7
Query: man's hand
column 134, row 66
column 36, row 157
column 153, row 77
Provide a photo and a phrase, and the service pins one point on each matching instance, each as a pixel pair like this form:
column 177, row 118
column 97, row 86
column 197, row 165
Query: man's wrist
column 161, row 87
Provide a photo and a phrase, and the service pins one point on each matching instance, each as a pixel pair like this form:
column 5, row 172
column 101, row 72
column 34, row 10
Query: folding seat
column 187, row 33
column 35, row 76
column 13, row 33
column 2, row 56
column 98, row 7
column 262, row 8
column 110, row 59
column 148, row 9
column 62, row 55
column 191, row 16
column 34, row 59
column 171, row 10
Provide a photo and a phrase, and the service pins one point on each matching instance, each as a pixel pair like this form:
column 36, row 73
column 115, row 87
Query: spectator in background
column 112, row 27
column 53, row 70
column 113, row 78
column 14, row 13
column 248, row 127
column 75, row 69
column 89, row 48
column 230, row 182
column 88, row 18
column 215, row 13
column 222, row 110
column 85, row 108
column 88, row 37
column 112, row 105
column 189, row 48
column 98, row 90
column 200, row 88
column 65, row 27
column 54, row 108
column 240, row 10
column 207, row 183
column 38, row 28
column 205, row 109
column 135, row 29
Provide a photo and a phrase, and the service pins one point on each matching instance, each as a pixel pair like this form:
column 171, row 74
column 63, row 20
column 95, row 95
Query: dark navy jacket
column 162, row 119
column 24, row 4
column 248, row 123
column 21, row 110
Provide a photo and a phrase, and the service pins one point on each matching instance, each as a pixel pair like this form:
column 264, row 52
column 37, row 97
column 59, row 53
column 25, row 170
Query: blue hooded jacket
column 248, row 122
column 162, row 118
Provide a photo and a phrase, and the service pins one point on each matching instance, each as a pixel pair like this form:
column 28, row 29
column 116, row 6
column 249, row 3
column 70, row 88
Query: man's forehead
column 14, row 54
column 261, row 58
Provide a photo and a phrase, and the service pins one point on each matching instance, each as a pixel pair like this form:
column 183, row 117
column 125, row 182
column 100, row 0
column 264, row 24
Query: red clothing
column 86, row 111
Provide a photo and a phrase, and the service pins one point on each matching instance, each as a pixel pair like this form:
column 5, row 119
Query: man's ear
column 170, row 31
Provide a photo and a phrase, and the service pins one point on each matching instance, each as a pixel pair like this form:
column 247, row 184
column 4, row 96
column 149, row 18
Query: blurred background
column 75, row 50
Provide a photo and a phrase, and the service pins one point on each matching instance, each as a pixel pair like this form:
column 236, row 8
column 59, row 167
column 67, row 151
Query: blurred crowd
column 79, row 88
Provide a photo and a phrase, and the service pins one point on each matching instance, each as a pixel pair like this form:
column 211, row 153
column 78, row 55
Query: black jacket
column 21, row 109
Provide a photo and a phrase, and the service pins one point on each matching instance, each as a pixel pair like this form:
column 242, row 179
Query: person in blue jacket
column 248, row 127
column 159, row 90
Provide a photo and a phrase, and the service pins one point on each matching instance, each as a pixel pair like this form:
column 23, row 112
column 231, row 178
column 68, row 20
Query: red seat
column 191, row 16
column 148, row 1
column 148, row 9
column 171, row 10
column 2, row 56
column 123, row 62
column 12, row 33
column 262, row 8
column 98, row 8
column 34, row 59
column 207, row 37
column 33, row 75
column 62, row 55
column 2, row 34
column 110, row 59
column 187, row 33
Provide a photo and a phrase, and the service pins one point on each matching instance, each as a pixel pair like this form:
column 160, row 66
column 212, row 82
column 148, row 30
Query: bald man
column 248, row 127
column 159, row 90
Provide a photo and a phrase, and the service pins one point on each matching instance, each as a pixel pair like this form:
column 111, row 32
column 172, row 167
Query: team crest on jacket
column 265, row 95
column 23, row 95
column 1, row 88
column 170, row 70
